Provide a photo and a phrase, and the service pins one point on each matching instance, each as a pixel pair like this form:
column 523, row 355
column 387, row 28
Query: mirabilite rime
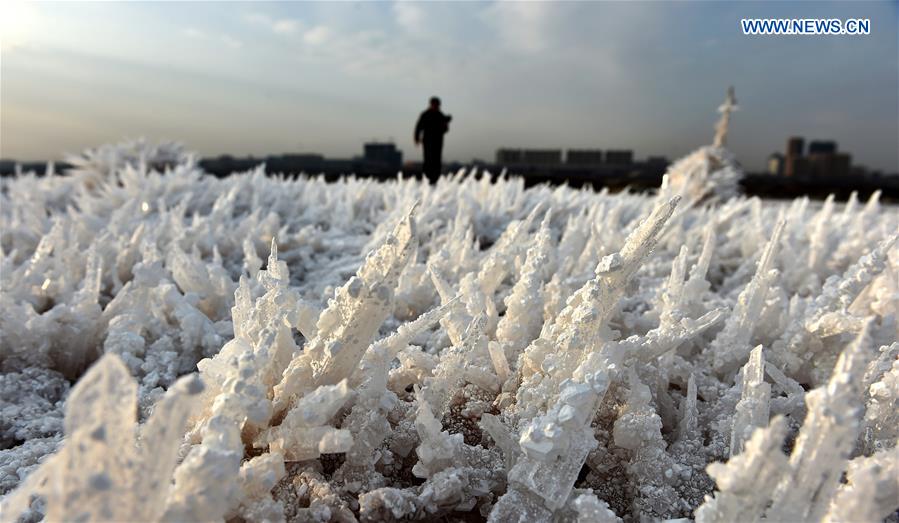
column 177, row 347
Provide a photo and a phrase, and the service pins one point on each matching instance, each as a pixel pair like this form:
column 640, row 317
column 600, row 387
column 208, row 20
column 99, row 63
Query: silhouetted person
column 429, row 131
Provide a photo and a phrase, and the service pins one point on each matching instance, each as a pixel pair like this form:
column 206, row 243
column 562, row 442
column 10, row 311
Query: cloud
column 281, row 26
column 522, row 26
column 231, row 42
column 193, row 32
column 258, row 18
column 317, row 35
column 286, row 26
column 19, row 24
column 410, row 16
column 199, row 34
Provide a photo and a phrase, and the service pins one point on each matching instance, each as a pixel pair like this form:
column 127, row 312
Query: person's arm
column 419, row 127
column 446, row 121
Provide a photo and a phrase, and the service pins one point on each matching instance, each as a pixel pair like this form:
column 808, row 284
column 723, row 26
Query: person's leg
column 431, row 165
column 438, row 158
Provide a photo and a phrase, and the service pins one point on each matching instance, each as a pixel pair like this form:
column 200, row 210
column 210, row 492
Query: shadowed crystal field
column 179, row 347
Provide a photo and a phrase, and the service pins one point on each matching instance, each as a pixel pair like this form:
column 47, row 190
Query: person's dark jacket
column 431, row 126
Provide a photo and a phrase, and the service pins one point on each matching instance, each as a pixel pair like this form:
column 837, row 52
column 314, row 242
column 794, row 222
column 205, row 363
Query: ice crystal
column 106, row 458
column 176, row 346
column 710, row 172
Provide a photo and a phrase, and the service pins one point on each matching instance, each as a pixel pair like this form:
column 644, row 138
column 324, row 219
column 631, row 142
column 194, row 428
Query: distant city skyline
column 269, row 78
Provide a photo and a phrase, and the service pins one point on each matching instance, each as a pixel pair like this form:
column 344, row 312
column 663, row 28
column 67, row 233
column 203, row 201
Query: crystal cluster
column 178, row 347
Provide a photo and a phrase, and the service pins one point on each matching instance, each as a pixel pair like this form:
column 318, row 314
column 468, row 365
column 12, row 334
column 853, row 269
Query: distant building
column 303, row 158
column 858, row 171
column 776, row 164
column 795, row 145
column 829, row 164
column 620, row 157
column 796, row 166
column 542, row 156
column 842, row 164
column 821, row 161
column 583, row 164
column 822, row 147
column 585, row 157
column 287, row 163
column 508, row 156
column 794, row 163
column 384, row 154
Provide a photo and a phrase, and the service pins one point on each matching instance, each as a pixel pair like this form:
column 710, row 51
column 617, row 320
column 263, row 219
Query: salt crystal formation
column 710, row 173
column 177, row 347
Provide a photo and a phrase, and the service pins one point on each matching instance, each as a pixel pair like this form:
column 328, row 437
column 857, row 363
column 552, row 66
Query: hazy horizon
column 272, row 78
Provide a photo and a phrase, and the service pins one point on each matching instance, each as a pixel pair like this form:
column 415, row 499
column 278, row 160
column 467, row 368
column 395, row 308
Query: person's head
column 435, row 102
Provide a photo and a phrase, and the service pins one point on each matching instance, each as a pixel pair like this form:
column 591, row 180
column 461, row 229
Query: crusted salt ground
column 175, row 346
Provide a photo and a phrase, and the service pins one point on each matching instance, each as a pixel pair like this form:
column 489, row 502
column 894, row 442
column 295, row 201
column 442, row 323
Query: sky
column 264, row 77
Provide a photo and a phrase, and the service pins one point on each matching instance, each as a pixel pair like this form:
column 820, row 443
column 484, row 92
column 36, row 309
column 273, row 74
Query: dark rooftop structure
column 584, row 157
column 619, row 157
column 385, row 154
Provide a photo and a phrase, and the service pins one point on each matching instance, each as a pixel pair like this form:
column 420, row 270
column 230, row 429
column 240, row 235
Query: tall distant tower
column 794, row 161
column 729, row 105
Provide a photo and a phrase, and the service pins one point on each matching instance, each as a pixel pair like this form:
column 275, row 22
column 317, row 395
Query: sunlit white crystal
column 752, row 409
column 529, row 354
